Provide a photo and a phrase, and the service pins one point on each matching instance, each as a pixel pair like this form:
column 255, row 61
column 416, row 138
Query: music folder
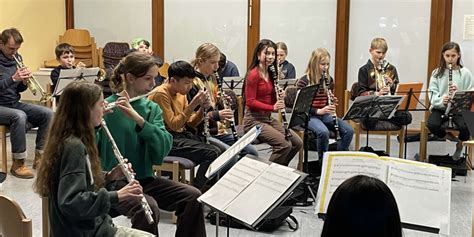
column 67, row 76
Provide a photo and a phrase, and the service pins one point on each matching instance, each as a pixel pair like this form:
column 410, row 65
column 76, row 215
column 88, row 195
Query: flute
column 128, row 175
column 114, row 104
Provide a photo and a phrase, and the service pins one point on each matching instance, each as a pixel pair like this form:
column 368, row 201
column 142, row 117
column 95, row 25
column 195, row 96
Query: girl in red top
column 260, row 100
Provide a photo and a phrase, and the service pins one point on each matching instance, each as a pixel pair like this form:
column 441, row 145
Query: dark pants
column 194, row 148
column 435, row 121
column 167, row 195
column 16, row 115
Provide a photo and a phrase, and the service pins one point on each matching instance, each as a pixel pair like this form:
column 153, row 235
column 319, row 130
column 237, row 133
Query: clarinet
column 206, row 132
column 331, row 102
column 451, row 96
column 282, row 112
column 130, row 177
column 226, row 106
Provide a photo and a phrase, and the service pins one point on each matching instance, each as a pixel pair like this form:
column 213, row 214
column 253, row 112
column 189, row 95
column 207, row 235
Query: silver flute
column 114, row 104
column 128, row 175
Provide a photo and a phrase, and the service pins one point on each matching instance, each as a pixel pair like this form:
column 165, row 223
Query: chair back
column 13, row 221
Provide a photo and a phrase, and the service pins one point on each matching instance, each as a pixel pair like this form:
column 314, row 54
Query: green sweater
column 75, row 209
column 142, row 147
column 439, row 86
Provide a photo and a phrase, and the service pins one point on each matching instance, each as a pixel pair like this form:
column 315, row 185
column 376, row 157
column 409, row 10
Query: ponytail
column 136, row 63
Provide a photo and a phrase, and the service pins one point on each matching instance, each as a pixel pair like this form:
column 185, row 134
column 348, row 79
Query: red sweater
column 259, row 94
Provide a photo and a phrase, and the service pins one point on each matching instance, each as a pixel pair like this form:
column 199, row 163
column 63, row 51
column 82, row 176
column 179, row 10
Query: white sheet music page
column 339, row 166
column 262, row 194
column 422, row 192
column 224, row 158
column 232, row 183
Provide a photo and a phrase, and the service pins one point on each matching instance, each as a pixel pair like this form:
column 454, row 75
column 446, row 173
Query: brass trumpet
column 32, row 83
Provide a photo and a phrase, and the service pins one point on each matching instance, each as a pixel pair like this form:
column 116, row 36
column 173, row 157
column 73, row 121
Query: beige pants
column 123, row 231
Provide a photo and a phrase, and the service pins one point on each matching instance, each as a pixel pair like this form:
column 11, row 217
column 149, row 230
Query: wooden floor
column 310, row 225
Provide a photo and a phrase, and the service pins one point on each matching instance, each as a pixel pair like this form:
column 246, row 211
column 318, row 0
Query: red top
column 259, row 93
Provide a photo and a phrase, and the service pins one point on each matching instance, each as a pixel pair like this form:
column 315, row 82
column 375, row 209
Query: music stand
column 461, row 101
column 372, row 106
column 299, row 119
column 412, row 93
column 67, row 76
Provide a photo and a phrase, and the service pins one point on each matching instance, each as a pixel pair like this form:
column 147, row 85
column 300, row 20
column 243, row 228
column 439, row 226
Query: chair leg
column 174, row 219
column 388, row 142
column 191, row 176
column 423, row 141
column 357, row 131
column 401, row 145
column 3, row 137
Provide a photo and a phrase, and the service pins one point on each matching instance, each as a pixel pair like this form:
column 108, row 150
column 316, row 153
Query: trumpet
column 128, row 175
column 32, row 83
column 114, row 104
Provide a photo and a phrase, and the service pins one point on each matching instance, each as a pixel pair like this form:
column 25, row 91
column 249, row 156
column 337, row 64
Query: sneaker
column 19, row 170
column 457, row 153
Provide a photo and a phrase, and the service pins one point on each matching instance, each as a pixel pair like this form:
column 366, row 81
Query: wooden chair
column 84, row 45
column 383, row 130
column 164, row 70
column 177, row 166
column 45, row 215
column 13, row 221
column 3, row 145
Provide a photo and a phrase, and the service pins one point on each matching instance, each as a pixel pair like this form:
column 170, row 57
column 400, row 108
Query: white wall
column 114, row 20
column 303, row 25
column 460, row 9
column 405, row 26
column 190, row 23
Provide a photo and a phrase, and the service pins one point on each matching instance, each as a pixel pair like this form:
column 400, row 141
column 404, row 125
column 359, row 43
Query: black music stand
column 375, row 107
column 412, row 101
column 299, row 119
column 461, row 101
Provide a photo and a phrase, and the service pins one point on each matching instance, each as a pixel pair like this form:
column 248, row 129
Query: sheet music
column 232, row 183
column 262, row 193
column 225, row 157
column 421, row 187
column 339, row 166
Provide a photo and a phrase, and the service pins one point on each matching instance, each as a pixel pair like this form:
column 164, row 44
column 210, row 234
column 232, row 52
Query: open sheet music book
column 251, row 189
column 422, row 190
column 220, row 162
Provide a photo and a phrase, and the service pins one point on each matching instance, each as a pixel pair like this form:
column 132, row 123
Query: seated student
column 322, row 113
column 66, row 57
column 144, row 46
column 441, row 88
column 178, row 113
column 377, row 77
column 260, row 102
column 288, row 71
column 227, row 68
column 206, row 64
column 140, row 134
column 70, row 174
column 362, row 206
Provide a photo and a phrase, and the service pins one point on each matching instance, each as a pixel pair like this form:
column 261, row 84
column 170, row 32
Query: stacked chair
column 84, row 46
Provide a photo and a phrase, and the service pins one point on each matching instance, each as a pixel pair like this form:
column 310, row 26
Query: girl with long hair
column 70, row 174
column 440, row 88
column 260, row 102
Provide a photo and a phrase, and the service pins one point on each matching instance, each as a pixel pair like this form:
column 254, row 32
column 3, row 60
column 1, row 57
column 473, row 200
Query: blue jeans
column 16, row 115
column 321, row 125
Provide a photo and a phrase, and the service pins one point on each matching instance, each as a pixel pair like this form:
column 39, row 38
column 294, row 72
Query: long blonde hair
column 203, row 52
column 72, row 118
column 312, row 71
